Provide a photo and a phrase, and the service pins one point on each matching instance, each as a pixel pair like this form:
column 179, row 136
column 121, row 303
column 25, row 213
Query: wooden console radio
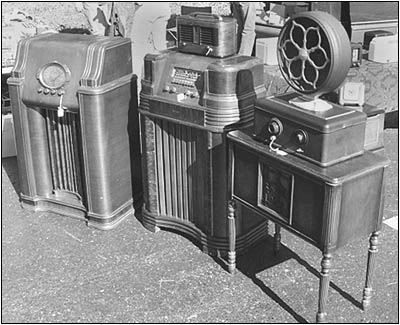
column 74, row 105
column 191, row 97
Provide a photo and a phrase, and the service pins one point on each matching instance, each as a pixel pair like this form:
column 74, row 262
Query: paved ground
column 55, row 269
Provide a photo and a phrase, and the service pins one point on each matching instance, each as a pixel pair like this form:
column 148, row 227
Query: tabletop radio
column 301, row 122
column 207, row 34
column 74, row 105
column 190, row 98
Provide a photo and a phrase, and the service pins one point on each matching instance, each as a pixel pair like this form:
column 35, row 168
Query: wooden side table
column 328, row 207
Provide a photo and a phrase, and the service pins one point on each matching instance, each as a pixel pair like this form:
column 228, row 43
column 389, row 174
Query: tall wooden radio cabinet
column 74, row 104
column 191, row 97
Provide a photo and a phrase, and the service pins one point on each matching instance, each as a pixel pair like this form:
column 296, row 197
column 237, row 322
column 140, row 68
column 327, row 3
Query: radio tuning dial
column 275, row 126
column 301, row 137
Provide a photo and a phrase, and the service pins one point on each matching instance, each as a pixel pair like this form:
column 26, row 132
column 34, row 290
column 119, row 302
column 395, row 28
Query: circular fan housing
column 314, row 53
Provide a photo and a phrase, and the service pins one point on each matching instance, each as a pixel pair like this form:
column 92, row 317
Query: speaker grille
column 65, row 161
column 186, row 33
column 206, row 36
column 182, row 167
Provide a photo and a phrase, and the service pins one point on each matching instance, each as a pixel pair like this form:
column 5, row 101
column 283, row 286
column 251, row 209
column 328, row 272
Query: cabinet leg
column 277, row 239
column 231, row 236
column 323, row 288
column 373, row 249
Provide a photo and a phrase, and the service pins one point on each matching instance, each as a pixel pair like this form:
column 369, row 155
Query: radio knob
column 40, row 90
column 166, row 88
column 173, row 90
column 46, row 91
column 301, row 137
column 53, row 91
column 275, row 126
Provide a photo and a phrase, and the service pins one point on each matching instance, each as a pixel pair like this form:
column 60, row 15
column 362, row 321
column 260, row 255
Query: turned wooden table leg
column 231, row 236
column 277, row 239
column 323, row 288
column 373, row 249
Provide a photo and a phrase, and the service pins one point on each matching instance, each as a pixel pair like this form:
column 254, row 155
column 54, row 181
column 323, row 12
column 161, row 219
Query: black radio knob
column 301, row 136
column 275, row 126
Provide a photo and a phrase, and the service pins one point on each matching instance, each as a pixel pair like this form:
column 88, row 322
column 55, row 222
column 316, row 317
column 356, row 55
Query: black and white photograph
column 199, row 162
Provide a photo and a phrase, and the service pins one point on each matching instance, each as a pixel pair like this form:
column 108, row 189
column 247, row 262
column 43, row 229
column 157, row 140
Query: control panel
column 60, row 65
column 324, row 138
column 204, row 90
column 183, row 83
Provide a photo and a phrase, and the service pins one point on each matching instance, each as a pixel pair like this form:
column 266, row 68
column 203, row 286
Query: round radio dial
column 301, row 137
column 275, row 126
column 53, row 75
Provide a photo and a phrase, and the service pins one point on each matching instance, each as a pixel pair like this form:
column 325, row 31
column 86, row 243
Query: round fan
column 314, row 53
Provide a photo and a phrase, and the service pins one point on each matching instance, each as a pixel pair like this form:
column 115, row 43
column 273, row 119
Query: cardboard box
column 384, row 49
column 266, row 50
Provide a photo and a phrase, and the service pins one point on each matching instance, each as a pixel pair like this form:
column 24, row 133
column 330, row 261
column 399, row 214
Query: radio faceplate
column 221, row 90
column 324, row 138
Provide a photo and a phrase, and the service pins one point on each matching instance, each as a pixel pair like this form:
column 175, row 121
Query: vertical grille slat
column 75, row 152
column 52, row 147
column 71, row 155
column 173, row 167
column 194, row 173
column 185, row 183
column 179, row 168
column 63, row 151
column 189, row 169
column 160, row 169
column 167, row 170
column 60, row 138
